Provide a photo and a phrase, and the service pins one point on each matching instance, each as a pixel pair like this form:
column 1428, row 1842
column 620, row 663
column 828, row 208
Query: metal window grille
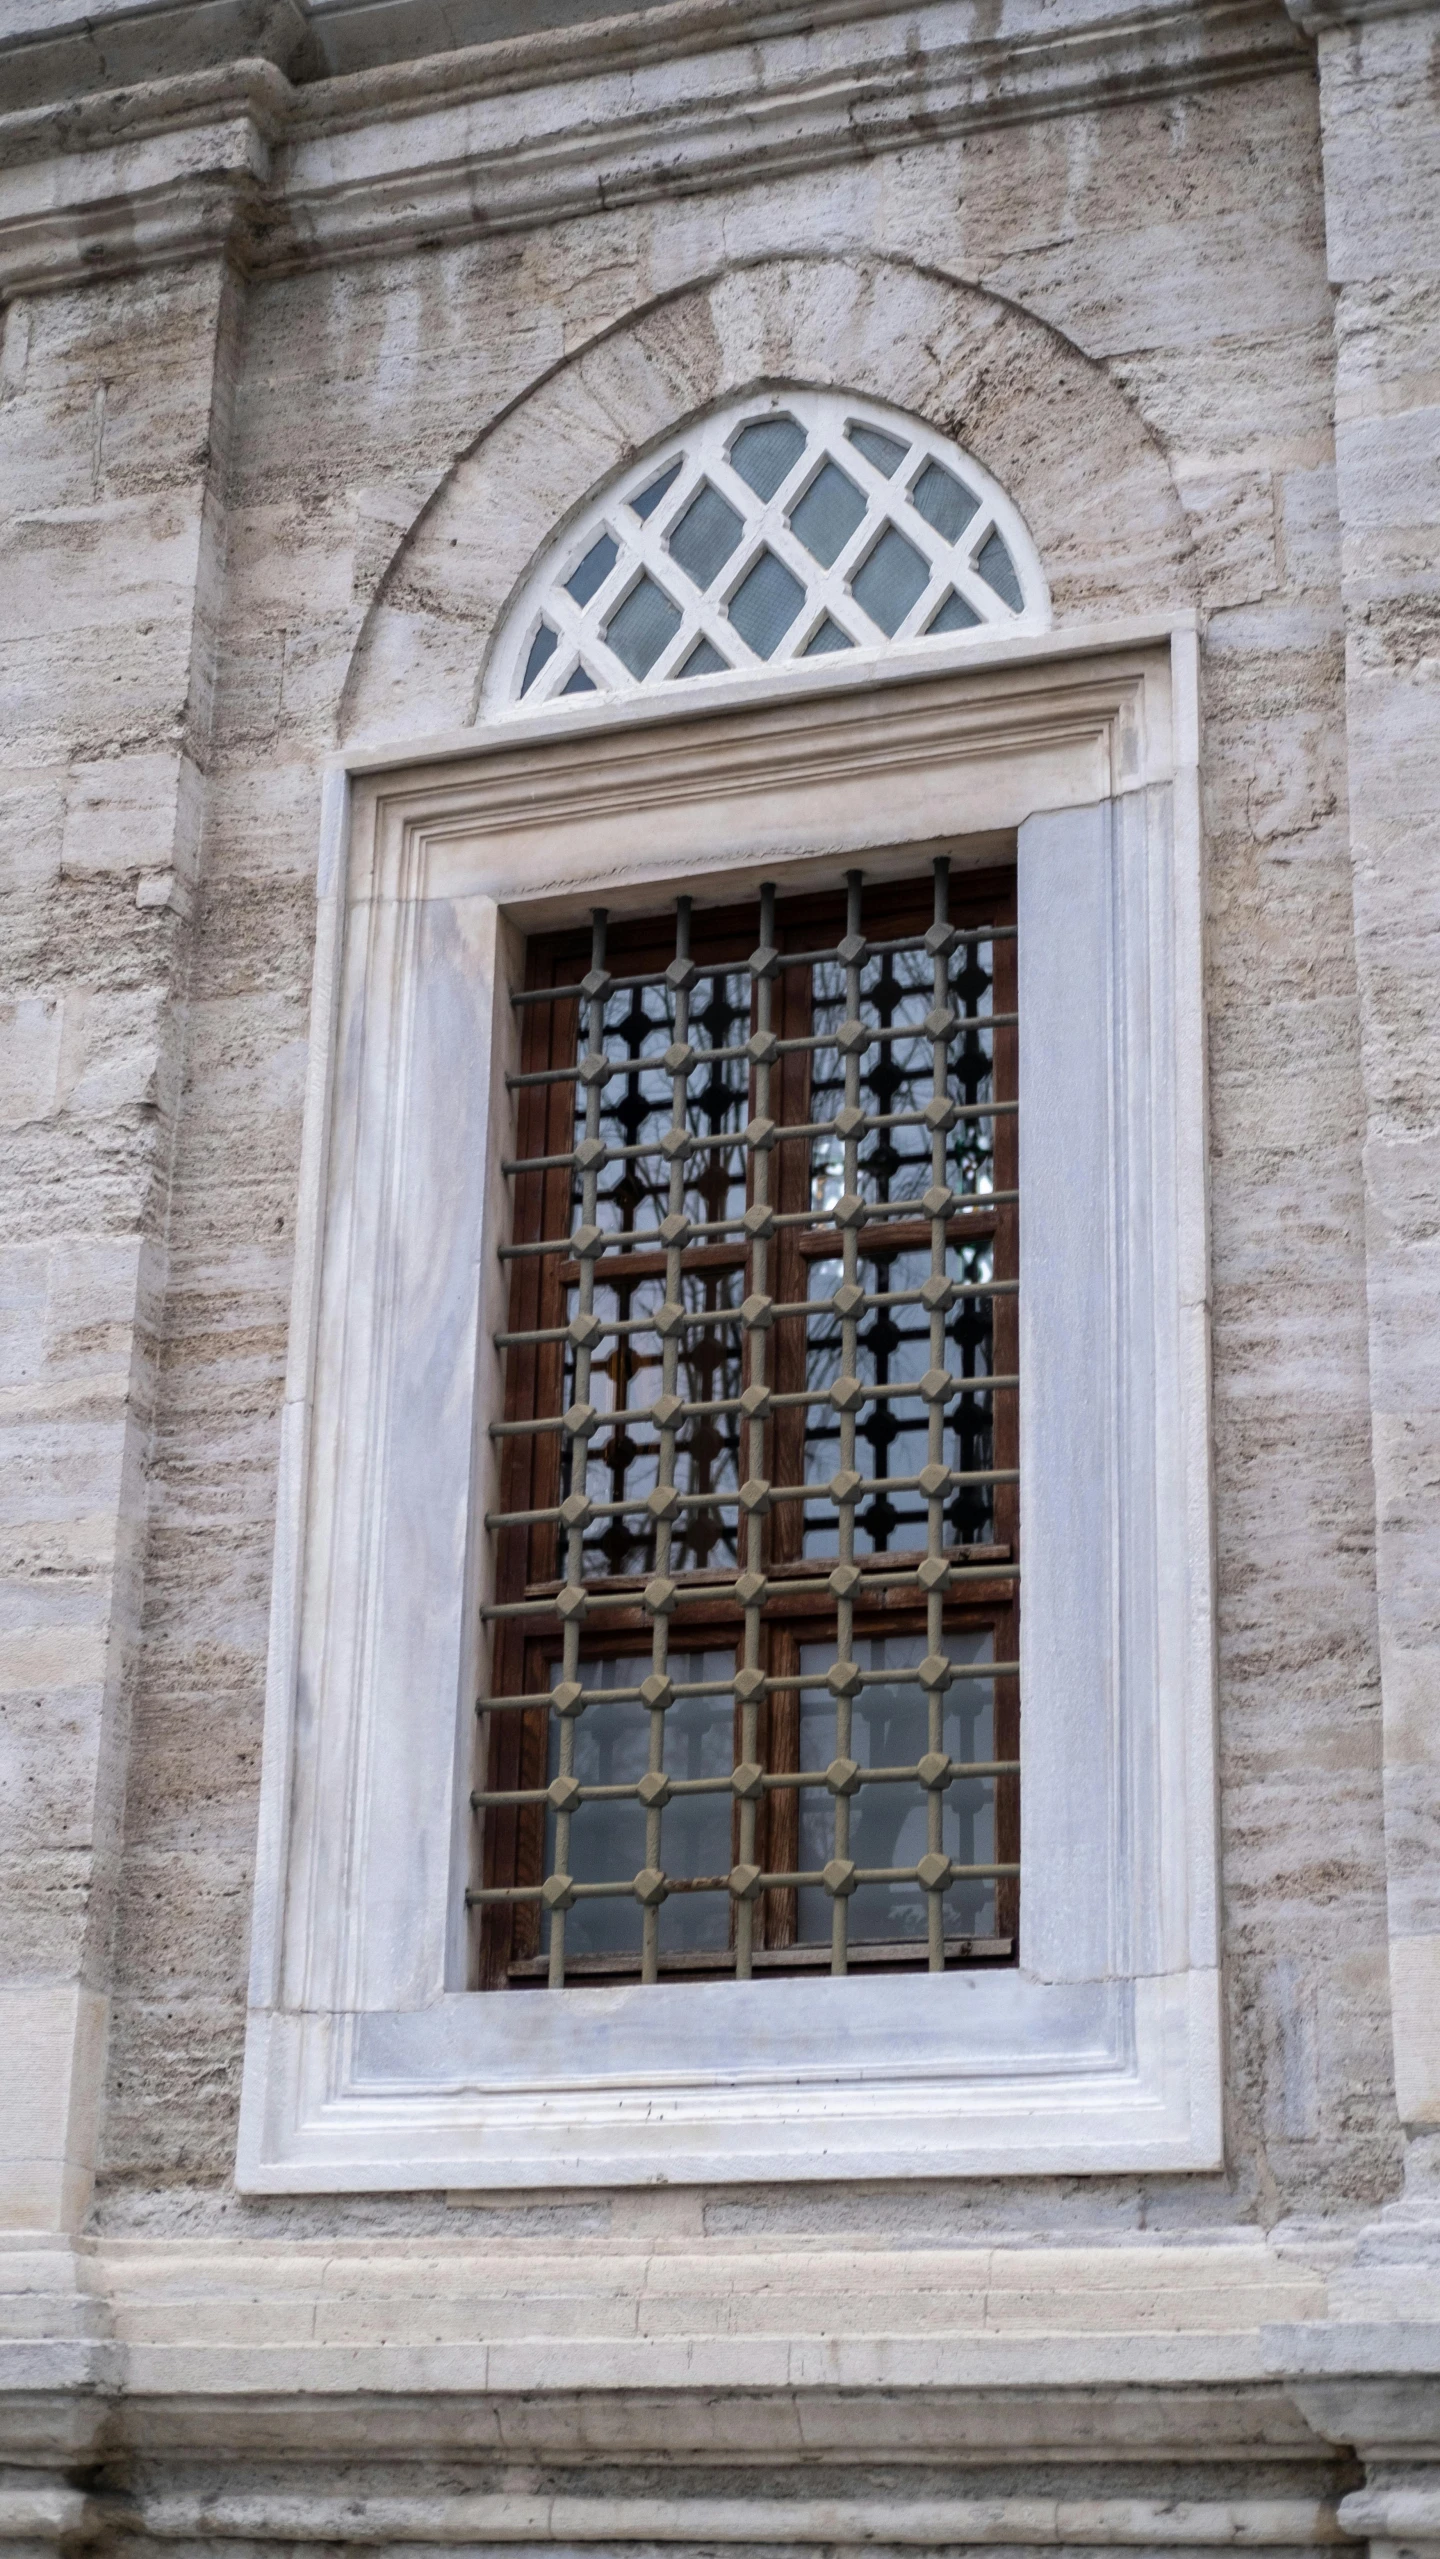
column 753, row 1690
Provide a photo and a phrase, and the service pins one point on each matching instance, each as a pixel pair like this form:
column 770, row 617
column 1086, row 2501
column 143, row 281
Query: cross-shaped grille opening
column 753, row 1700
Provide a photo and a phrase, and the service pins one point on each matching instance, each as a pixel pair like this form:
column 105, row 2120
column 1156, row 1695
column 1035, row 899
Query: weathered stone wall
column 231, row 462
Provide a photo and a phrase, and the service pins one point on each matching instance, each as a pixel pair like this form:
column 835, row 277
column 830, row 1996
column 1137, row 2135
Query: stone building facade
column 322, row 322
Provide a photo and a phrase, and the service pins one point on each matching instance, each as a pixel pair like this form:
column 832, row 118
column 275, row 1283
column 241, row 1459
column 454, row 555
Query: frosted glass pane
column 542, row 649
column 705, row 536
column 944, row 501
column 998, row 570
column 703, row 660
column 593, row 571
column 765, row 453
column 885, row 452
column 650, row 498
column 954, row 615
column 828, row 637
column 645, row 624
column 580, row 682
column 828, row 514
column 892, row 578
column 764, row 606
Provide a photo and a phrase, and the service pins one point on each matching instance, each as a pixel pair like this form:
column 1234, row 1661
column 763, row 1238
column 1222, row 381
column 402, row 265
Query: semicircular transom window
column 784, row 529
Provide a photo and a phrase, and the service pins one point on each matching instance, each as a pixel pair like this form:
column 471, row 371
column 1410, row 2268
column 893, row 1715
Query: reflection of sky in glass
column 892, row 1436
column 607, row 1840
column 635, row 1110
column 625, row 1377
column 888, row 1729
column 896, row 989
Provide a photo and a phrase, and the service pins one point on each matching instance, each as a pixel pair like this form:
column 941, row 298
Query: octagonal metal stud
column 849, row 1299
column 590, row 1152
column 849, row 1121
column 938, row 1201
column 941, row 939
column 650, row 1888
column 763, row 1047
column 839, row 1877
column 940, row 1115
column 564, row 1793
column 678, row 1056
column 937, row 1296
column 585, row 1331
column 933, row 1872
column 744, row 1882
column 843, row 1776
column 660, row 1595
column 760, row 1135
column 933, row 1770
column 845, row 1581
column 557, row 1892
column 852, row 1036
column 674, row 1230
column 595, row 1069
column 755, row 1403
column 669, row 1319
column 570, row 1603
column 666, row 1410
column 681, row 974
column 758, row 1222
column 937, row 1384
column 758, row 1312
column 676, row 1144
column 664, row 1502
column 568, row 1697
column 935, row 1671
column 844, row 1486
column 749, row 1684
column 576, row 1510
column 844, row 1679
column 754, row 1497
column 940, row 1021
column 747, row 1781
column 750, row 1589
column 657, row 1691
column 595, row 983
column 934, row 1480
column 654, row 1790
column 850, row 1209
column 847, row 1394
column 933, row 1573
column 586, row 1242
column 851, row 949
column 763, row 961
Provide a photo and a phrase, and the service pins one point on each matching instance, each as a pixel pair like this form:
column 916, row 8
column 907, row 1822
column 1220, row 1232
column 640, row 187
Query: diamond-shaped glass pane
column 542, row 649
column 765, row 453
column 891, row 579
column 828, row 514
column 642, row 626
column 705, row 536
column 704, row 659
column 884, row 452
column 828, row 637
column 765, row 604
column 944, row 501
column 593, row 571
column 998, row 570
column 645, row 504
column 954, row 615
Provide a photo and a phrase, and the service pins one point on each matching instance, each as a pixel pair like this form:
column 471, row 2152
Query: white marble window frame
column 369, row 2064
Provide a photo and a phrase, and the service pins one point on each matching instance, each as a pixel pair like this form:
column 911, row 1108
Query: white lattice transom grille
column 796, row 526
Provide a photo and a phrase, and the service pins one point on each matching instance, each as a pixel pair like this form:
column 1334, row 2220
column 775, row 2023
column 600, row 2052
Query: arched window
column 791, row 526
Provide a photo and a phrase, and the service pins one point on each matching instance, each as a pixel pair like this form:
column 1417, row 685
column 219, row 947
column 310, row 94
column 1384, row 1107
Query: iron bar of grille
column 927, row 1580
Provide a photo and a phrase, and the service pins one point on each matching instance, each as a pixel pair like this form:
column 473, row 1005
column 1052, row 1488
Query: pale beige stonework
column 316, row 322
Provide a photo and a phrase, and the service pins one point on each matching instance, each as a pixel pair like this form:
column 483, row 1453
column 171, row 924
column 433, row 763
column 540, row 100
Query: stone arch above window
column 780, row 529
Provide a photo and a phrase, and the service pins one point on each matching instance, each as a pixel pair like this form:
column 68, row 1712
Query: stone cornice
column 513, row 135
